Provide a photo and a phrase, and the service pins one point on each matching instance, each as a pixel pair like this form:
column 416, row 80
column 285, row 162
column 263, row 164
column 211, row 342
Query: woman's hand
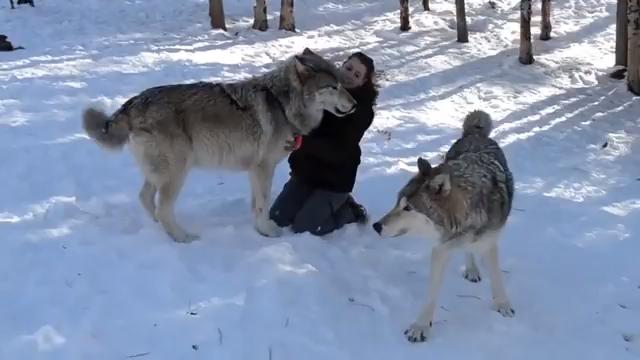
column 293, row 143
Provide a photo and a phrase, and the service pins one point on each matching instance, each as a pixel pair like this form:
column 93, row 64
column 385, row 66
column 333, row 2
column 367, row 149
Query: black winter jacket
column 330, row 155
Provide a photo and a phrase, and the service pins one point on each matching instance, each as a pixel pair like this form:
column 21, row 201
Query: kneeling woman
column 317, row 196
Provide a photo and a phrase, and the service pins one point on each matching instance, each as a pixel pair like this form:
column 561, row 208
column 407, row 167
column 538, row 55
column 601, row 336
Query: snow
column 85, row 274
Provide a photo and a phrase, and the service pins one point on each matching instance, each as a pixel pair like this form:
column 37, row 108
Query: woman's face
column 353, row 73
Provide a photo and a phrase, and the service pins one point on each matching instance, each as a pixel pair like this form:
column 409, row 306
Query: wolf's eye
column 333, row 87
column 407, row 208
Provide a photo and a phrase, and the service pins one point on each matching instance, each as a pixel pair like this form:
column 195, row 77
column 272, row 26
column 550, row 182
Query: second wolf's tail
column 110, row 133
column 477, row 122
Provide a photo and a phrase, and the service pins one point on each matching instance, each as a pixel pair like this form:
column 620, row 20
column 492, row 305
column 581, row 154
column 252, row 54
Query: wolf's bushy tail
column 109, row 133
column 477, row 122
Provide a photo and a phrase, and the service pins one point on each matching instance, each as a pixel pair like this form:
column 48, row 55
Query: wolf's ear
column 302, row 69
column 440, row 185
column 424, row 167
column 307, row 51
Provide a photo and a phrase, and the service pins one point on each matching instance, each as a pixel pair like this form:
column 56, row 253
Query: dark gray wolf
column 243, row 126
column 462, row 203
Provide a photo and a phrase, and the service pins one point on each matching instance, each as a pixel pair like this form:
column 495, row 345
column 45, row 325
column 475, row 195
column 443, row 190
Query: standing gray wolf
column 462, row 203
column 243, row 126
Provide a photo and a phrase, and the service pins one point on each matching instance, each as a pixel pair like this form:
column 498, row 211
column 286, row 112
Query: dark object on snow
column 619, row 74
column 6, row 45
column 20, row 2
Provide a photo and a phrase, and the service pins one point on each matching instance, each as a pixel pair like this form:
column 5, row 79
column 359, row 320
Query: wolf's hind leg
column 148, row 198
column 167, row 194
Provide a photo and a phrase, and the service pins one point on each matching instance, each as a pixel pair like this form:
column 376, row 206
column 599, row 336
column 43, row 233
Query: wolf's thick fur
column 477, row 122
column 240, row 126
column 462, row 203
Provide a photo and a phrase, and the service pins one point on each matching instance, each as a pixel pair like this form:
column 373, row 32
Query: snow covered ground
column 85, row 274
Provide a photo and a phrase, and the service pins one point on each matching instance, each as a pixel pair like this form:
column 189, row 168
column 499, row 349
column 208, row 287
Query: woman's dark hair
column 368, row 92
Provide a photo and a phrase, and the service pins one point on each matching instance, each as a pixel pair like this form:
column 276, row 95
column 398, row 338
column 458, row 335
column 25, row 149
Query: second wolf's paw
column 181, row 236
column 267, row 227
column 186, row 237
column 505, row 309
column 417, row 333
column 472, row 274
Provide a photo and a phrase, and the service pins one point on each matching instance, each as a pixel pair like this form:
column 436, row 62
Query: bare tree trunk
column 633, row 58
column 404, row 15
column 545, row 25
column 526, row 49
column 216, row 13
column 287, row 20
column 260, row 16
column 622, row 41
column 461, row 22
column 425, row 5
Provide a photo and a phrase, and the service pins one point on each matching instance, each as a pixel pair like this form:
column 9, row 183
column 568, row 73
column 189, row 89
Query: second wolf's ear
column 303, row 68
column 440, row 185
column 424, row 167
column 307, row 51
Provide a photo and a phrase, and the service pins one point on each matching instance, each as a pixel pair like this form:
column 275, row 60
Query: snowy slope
column 85, row 274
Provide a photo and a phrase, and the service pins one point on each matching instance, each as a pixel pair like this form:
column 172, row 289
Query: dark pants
column 306, row 208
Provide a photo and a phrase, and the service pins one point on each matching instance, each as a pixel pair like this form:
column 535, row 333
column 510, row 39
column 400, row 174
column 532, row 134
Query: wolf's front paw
column 472, row 274
column 505, row 309
column 267, row 227
column 182, row 236
column 417, row 333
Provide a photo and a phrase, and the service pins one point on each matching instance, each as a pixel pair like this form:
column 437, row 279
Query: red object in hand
column 298, row 141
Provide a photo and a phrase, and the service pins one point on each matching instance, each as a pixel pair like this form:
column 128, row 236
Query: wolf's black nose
column 377, row 227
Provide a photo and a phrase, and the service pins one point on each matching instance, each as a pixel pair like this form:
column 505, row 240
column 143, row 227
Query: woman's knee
column 315, row 229
column 288, row 203
column 277, row 215
column 317, row 223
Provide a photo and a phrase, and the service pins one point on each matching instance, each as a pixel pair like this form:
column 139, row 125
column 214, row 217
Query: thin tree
column 545, row 24
column 633, row 56
column 216, row 13
column 404, row 15
column 526, row 49
column 461, row 22
column 287, row 20
column 260, row 16
column 622, row 41
column 425, row 5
